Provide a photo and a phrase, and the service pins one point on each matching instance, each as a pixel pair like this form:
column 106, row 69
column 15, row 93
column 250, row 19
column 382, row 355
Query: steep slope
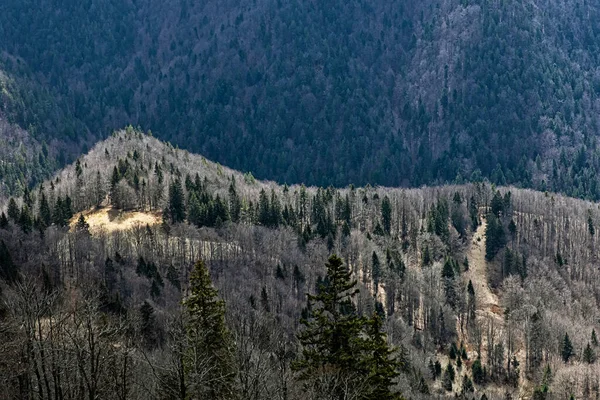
column 393, row 93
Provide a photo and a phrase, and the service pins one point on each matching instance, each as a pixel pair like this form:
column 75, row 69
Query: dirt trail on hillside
column 487, row 301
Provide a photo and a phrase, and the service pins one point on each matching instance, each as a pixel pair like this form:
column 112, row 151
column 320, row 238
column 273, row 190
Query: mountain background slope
column 391, row 93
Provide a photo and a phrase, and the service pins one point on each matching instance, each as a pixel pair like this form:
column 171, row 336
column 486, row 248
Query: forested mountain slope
column 336, row 92
column 483, row 290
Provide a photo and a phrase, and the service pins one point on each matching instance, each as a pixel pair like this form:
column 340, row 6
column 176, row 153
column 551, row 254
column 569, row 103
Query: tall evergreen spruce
column 235, row 203
column 567, row 348
column 176, row 208
column 383, row 367
column 386, row 215
column 208, row 362
column 13, row 210
column 343, row 354
column 45, row 213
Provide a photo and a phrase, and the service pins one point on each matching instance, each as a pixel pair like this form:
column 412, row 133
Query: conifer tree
column 196, row 212
column 208, row 362
column 426, row 257
column 567, row 348
column 383, row 367
column 25, row 219
column 448, row 378
column 589, row 356
column 82, row 226
column 275, row 212
column 376, row 270
column 343, row 354
column 176, row 207
column 58, row 214
column 114, row 181
column 235, row 204
column 264, row 209
column 45, row 213
column 386, row 215
column 148, row 326
column 99, row 191
column 495, row 237
column 448, row 274
column 67, row 208
column 478, row 372
column 13, row 211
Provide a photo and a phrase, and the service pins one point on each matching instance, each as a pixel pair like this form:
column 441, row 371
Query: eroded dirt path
column 488, row 309
column 486, row 301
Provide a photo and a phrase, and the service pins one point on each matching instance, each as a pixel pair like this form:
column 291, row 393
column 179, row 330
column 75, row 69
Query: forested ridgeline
column 478, row 290
column 392, row 93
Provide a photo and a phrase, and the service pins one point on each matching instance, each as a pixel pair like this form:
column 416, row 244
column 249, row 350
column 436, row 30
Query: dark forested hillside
column 143, row 271
column 336, row 92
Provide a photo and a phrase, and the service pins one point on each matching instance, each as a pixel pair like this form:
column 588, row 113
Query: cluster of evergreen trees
column 27, row 218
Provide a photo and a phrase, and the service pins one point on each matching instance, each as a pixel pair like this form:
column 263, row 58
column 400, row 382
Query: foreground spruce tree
column 344, row 355
column 208, row 362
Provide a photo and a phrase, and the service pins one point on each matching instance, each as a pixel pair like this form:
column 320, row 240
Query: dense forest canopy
column 338, row 92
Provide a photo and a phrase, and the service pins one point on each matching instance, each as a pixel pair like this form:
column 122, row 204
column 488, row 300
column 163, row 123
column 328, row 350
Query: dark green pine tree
column 386, row 215
column 589, row 356
column 235, row 204
column 448, row 274
column 114, row 181
column 478, row 372
column 25, row 219
column 58, row 214
column 82, row 226
column 13, row 211
column 567, row 348
column 495, row 237
column 448, row 378
column 67, row 208
column 148, row 330
column 497, row 204
column 45, row 213
column 176, row 207
column 337, row 355
column 382, row 365
column 264, row 209
column 27, row 198
column 208, row 363
column 376, row 270
column 275, row 217
column 426, row 256
column 196, row 211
